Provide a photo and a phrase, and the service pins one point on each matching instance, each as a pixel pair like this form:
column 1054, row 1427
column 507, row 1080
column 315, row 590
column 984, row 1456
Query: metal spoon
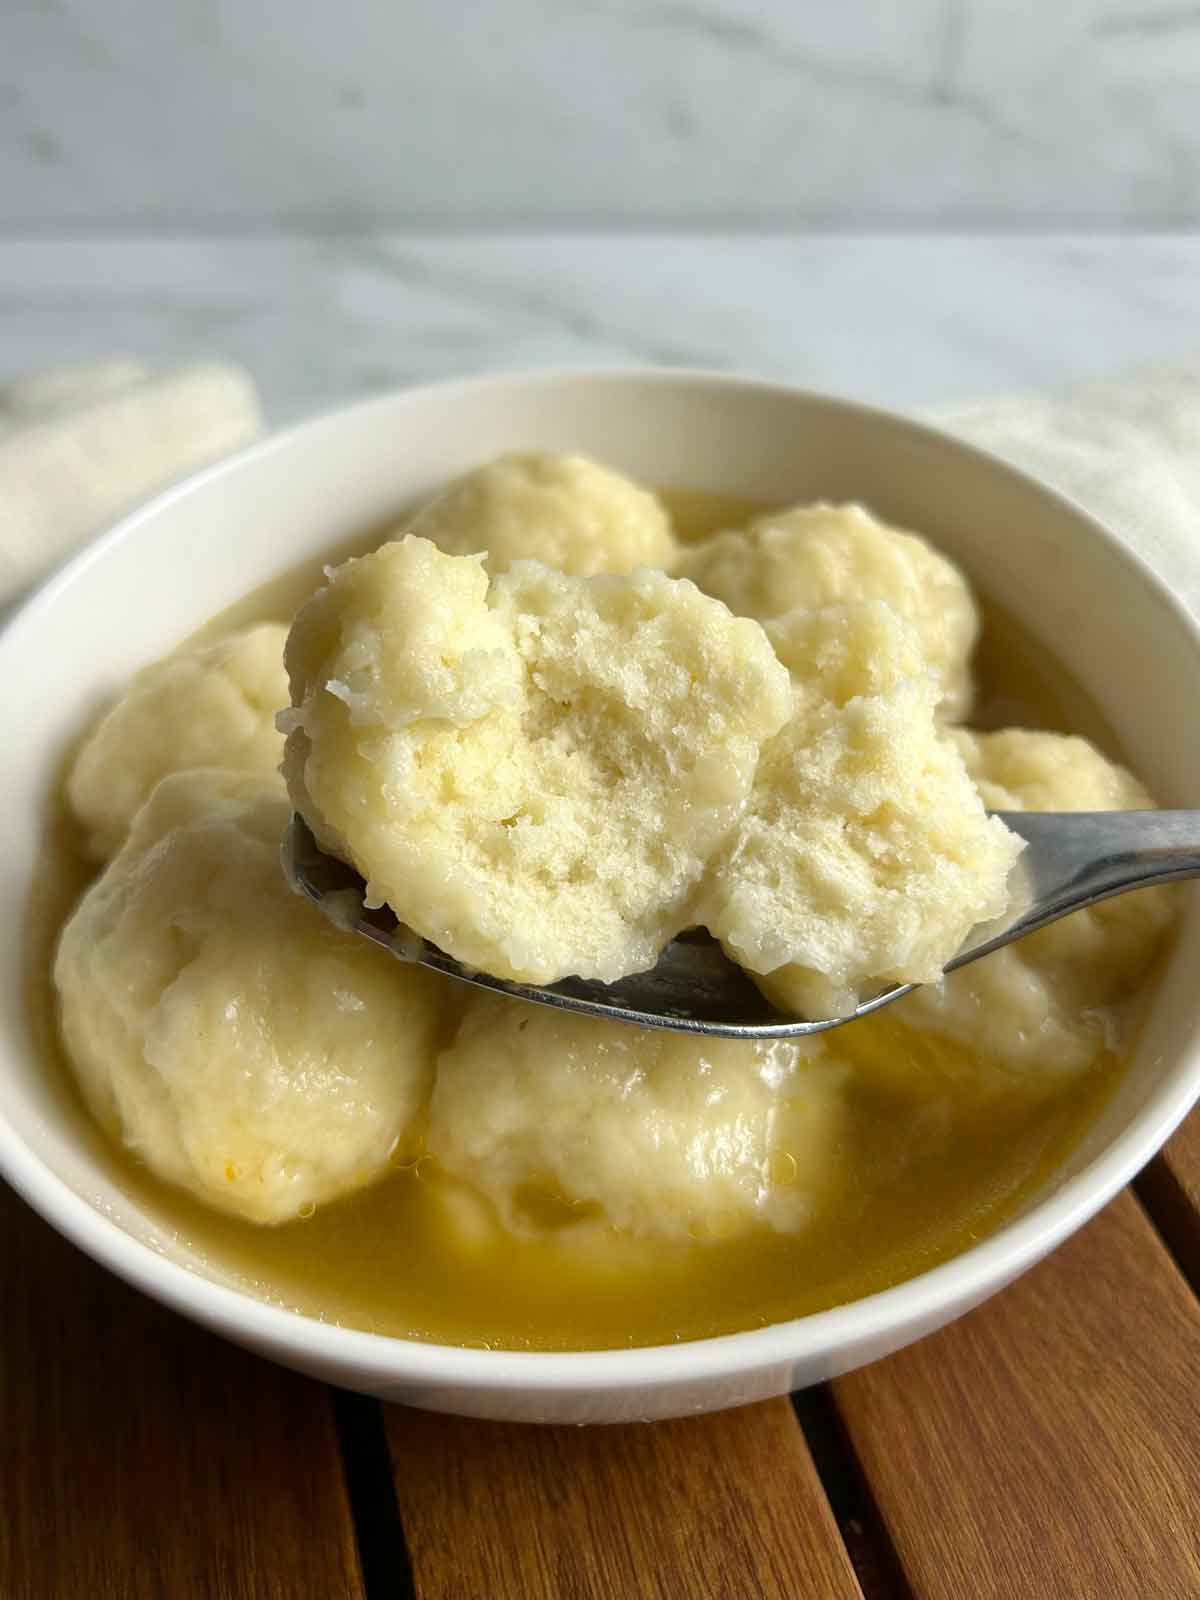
column 1071, row 860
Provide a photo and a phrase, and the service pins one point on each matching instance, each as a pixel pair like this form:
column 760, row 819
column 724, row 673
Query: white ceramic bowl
column 196, row 549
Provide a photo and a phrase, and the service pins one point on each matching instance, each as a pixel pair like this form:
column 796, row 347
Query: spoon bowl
column 1071, row 860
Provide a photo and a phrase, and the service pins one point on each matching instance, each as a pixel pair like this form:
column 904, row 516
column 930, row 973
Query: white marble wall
column 160, row 115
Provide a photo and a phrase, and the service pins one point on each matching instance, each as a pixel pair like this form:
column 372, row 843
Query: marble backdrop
column 904, row 321
column 159, row 115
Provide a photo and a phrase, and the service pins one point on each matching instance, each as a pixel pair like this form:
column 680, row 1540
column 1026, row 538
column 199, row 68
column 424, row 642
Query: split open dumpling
column 221, row 1028
column 864, row 856
column 202, row 706
column 1047, row 1002
column 565, row 510
column 557, row 1118
column 814, row 556
column 534, row 773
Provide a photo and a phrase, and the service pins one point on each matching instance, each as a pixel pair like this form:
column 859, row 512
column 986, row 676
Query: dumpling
column 824, row 555
column 210, row 705
column 564, row 510
column 1046, row 1001
column 218, row 1025
column 550, row 1115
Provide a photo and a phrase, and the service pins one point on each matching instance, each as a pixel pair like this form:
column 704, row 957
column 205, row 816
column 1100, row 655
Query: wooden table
column 1046, row 1445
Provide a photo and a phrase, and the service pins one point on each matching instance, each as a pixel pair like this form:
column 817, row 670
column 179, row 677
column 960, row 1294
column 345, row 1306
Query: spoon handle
column 1073, row 859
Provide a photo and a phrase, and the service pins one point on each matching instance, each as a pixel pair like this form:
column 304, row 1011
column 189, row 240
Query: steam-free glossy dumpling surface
column 205, row 705
column 218, row 1025
column 865, row 856
column 564, row 510
column 534, row 773
column 1041, row 1003
column 656, row 1134
column 822, row 555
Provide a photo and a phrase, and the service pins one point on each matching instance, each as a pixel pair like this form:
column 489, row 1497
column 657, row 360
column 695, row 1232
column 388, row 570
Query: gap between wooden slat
column 1167, row 1205
column 1169, row 1189
column 876, row 1563
column 367, row 1462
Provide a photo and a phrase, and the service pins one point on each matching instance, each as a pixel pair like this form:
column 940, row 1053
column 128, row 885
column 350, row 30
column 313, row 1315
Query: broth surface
column 923, row 1175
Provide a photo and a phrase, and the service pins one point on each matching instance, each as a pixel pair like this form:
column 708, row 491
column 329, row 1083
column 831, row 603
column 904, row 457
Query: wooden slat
column 1049, row 1443
column 1170, row 1186
column 727, row 1506
column 141, row 1456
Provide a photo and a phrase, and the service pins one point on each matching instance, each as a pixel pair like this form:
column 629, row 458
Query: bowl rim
column 947, row 1288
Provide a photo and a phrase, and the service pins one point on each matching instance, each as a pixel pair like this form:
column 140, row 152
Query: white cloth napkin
column 1126, row 448
column 81, row 445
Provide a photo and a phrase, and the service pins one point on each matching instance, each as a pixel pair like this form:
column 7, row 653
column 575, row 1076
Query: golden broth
column 929, row 1163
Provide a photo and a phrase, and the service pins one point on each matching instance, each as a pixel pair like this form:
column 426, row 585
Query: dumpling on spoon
column 534, row 773
column 864, row 856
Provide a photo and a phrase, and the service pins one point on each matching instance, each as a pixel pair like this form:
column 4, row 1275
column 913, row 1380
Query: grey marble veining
column 902, row 321
column 256, row 113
